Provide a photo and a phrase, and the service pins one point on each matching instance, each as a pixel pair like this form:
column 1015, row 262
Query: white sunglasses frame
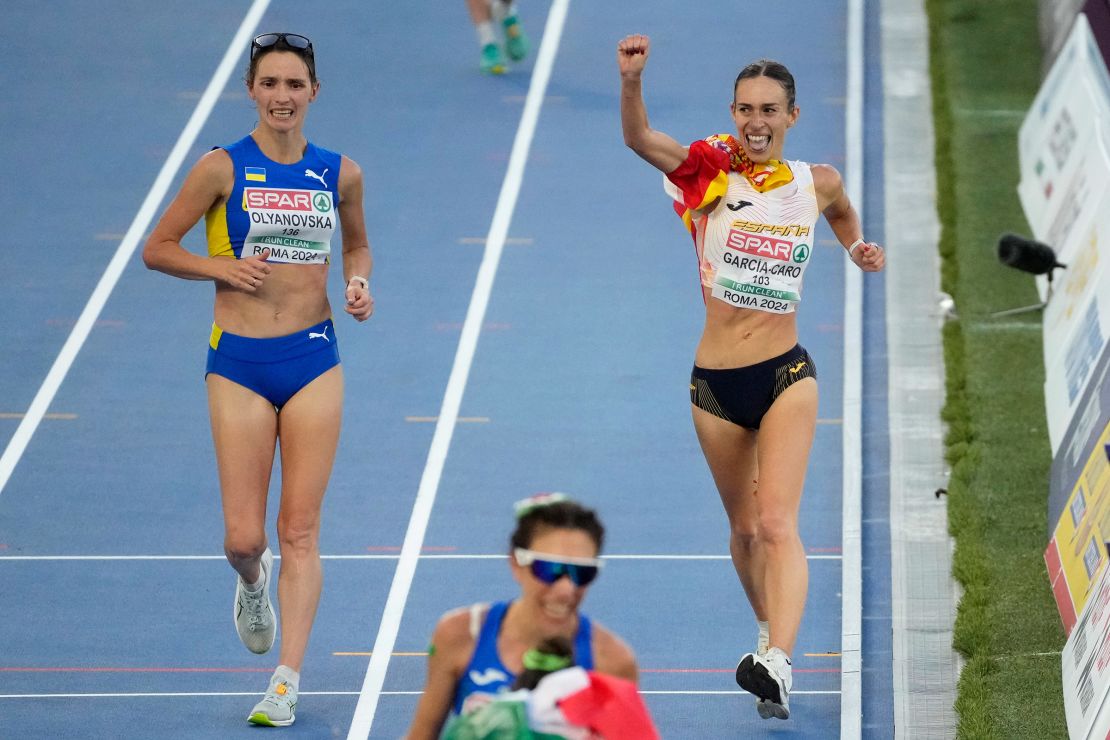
column 525, row 557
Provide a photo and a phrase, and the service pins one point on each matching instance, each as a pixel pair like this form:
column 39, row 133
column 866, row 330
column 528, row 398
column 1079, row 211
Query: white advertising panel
column 1068, row 122
column 1085, row 667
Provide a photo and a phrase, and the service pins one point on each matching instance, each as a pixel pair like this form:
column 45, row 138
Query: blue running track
column 114, row 595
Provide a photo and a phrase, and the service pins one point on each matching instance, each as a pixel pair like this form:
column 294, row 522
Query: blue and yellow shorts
column 277, row 367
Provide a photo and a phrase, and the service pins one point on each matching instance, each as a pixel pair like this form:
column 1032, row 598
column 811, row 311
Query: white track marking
column 445, row 425
column 851, row 618
column 496, row 556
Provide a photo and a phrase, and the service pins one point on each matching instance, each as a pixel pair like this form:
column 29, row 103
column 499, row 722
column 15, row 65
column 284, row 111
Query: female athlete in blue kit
column 753, row 389
column 478, row 651
column 271, row 202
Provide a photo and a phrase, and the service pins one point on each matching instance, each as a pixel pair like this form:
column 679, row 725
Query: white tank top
column 753, row 248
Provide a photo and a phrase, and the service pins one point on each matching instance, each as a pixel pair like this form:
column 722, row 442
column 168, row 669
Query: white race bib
column 295, row 225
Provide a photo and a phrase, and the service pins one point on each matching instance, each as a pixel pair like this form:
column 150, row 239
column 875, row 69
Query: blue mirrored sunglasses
column 550, row 568
column 294, row 41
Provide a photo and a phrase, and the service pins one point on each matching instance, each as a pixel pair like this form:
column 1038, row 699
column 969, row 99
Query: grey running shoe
column 769, row 678
column 278, row 706
column 254, row 614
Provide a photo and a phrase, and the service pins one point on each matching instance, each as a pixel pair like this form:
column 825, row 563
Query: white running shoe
column 278, row 706
column 769, row 678
column 253, row 612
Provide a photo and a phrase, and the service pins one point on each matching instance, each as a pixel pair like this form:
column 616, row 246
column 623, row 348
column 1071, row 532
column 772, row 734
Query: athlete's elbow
column 148, row 257
column 638, row 142
column 635, row 137
column 154, row 256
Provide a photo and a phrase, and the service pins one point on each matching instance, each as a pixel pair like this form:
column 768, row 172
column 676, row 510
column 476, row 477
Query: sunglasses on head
column 550, row 568
column 294, row 41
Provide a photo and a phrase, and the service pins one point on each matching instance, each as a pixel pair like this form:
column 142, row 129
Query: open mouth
column 758, row 144
column 558, row 611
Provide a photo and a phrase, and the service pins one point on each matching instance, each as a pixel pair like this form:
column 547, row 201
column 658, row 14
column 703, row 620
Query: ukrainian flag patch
column 255, row 174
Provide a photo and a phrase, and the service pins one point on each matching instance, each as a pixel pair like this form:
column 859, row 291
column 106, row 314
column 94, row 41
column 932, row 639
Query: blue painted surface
column 581, row 368
column 877, row 678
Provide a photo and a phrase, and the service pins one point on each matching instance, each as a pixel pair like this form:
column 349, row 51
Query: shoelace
column 254, row 603
column 276, row 696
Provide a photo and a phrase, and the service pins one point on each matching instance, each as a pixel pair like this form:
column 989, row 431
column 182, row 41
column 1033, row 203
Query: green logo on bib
column 801, row 253
column 322, row 202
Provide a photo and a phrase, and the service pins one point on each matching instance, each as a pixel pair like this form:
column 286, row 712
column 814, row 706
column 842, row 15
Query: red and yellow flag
column 703, row 177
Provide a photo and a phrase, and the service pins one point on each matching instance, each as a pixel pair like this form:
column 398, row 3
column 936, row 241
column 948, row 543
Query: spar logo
column 278, row 200
column 760, row 245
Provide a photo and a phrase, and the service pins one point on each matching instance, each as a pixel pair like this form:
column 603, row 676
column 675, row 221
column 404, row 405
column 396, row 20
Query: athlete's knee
column 745, row 536
column 299, row 535
column 777, row 529
column 240, row 548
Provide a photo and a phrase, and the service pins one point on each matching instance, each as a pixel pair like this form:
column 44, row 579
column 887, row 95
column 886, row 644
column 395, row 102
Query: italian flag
column 571, row 704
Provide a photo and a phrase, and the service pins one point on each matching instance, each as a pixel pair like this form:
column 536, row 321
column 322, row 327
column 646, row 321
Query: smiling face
column 762, row 112
column 554, row 607
column 281, row 90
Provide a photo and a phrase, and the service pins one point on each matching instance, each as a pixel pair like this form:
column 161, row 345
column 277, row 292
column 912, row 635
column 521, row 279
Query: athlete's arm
column 208, row 183
column 448, row 655
column 654, row 147
column 357, row 261
column 833, row 201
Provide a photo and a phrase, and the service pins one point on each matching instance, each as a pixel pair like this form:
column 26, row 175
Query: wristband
column 356, row 278
column 855, row 244
column 537, row 660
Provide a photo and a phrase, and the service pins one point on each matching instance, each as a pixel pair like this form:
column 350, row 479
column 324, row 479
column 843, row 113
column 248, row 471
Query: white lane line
column 851, row 604
column 733, row 693
column 179, row 694
column 170, row 694
column 496, row 556
column 468, row 341
column 924, row 668
column 126, row 249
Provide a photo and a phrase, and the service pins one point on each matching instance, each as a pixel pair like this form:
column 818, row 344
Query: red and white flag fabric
column 571, row 704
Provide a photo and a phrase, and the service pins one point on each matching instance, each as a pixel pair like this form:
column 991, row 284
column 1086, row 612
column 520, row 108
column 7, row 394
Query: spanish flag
column 703, row 177
column 255, row 174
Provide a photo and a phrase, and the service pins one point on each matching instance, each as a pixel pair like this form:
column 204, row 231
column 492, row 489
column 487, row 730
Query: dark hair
column 564, row 514
column 555, row 652
column 307, row 56
column 769, row 68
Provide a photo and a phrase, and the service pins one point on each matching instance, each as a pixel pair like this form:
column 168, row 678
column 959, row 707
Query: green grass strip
column 985, row 68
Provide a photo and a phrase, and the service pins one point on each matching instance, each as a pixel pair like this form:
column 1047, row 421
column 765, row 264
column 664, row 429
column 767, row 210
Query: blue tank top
column 486, row 675
column 286, row 208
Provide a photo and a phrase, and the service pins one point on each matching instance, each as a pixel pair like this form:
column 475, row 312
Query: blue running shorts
column 277, row 367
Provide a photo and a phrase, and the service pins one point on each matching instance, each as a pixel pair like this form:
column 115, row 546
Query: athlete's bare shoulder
column 827, row 183
column 612, row 655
